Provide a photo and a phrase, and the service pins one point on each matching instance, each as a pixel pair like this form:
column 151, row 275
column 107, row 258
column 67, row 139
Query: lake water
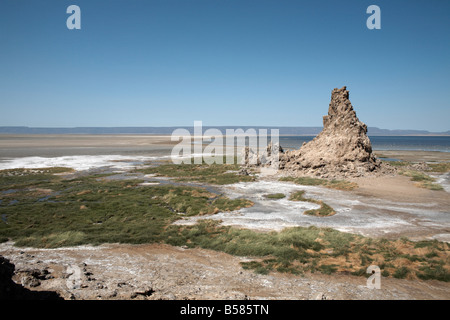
column 425, row 143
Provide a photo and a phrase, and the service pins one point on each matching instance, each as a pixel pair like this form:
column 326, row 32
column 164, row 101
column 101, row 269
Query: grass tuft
column 323, row 211
column 439, row 167
column 275, row 196
column 220, row 174
column 423, row 180
column 333, row 184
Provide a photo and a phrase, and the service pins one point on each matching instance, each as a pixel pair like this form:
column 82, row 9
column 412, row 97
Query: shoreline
column 54, row 145
column 414, row 155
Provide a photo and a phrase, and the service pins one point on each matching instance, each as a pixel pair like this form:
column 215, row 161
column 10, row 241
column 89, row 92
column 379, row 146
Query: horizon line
column 63, row 128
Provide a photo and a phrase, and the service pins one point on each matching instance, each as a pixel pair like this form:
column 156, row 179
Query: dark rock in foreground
column 9, row 290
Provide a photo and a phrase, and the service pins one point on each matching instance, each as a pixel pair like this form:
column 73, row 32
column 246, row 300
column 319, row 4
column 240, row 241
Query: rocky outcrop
column 9, row 290
column 341, row 149
column 266, row 157
column 163, row 272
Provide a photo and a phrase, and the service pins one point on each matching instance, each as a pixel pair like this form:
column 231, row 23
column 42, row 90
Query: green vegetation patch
column 298, row 196
column 441, row 167
column 434, row 271
column 422, row 180
column 333, row 184
column 323, row 211
column 207, row 173
column 401, row 273
column 398, row 163
column 225, row 204
column 299, row 250
column 34, row 171
column 275, row 196
column 22, row 178
column 283, row 247
column 427, row 244
column 50, row 211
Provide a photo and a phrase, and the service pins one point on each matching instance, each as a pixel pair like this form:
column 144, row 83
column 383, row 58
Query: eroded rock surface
column 155, row 271
column 342, row 149
column 10, row 290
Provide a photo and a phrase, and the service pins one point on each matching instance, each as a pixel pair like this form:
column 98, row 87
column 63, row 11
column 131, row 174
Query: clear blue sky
column 225, row 62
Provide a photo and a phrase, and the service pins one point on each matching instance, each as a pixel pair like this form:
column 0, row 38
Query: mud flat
column 119, row 271
column 12, row 146
column 381, row 207
column 414, row 156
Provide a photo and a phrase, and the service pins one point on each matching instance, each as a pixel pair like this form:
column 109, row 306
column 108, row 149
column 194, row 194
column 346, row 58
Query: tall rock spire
column 341, row 149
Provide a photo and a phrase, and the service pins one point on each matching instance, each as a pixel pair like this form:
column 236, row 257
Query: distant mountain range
column 304, row 131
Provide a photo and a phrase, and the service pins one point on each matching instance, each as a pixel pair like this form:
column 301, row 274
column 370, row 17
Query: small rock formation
column 266, row 157
column 421, row 166
column 341, row 149
column 9, row 290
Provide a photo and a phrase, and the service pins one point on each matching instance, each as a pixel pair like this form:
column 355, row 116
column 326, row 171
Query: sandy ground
column 414, row 156
column 155, row 272
column 81, row 140
column 12, row 146
column 399, row 188
column 38, row 141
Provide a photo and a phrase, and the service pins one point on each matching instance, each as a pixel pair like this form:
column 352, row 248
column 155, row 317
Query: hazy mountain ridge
column 311, row 131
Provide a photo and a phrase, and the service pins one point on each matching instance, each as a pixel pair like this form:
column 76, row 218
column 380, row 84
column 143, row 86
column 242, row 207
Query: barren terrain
column 156, row 271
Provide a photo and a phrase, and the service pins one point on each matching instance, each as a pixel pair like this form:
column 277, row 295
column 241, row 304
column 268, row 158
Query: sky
column 223, row 62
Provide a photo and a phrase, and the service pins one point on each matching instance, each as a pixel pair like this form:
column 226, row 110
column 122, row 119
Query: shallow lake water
column 357, row 214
